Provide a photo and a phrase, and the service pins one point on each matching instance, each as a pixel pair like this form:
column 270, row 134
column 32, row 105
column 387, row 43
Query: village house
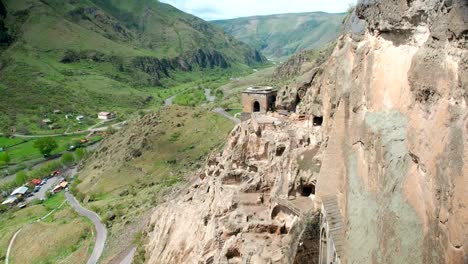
column 106, row 115
column 10, row 200
column 80, row 118
column 54, row 126
column 19, row 192
column 46, row 121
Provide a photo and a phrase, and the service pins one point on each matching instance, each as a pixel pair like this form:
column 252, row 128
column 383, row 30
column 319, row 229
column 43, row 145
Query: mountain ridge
column 279, row 36
column 92, row 55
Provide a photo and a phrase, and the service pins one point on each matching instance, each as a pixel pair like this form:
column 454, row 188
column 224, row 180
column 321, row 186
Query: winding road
column 223, row 112
column 101, row 231
column 89, row 130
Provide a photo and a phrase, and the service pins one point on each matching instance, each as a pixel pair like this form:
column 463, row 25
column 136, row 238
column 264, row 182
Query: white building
column 106, row 115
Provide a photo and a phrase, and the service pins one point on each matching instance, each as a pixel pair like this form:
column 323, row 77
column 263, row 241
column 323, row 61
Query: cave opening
column 272, row 103
column 307, row 190
column 280, row 150
column 297, row 102
column 318, row 120
column 256, row 106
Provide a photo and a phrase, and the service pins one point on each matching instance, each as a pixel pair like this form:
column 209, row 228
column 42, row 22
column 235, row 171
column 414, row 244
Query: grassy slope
column 36, row 82
column 279, row 36
column 176, row 143
column 64, row 237
column 26, row 151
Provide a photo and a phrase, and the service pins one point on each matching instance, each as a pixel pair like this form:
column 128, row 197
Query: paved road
column 222, row 112
column 41, row 194
column 209, row 97
column 89, row 130
column 101, row 230
column 168, row 101
column 129, row 258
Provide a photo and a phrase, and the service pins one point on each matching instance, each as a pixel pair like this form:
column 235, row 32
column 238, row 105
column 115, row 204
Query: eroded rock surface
column 391, row 149
column 247, row 203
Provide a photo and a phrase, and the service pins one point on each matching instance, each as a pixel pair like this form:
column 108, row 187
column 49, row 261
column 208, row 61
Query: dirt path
column 10, row 245
column 101, row 231
column 12, row 240
column 222, row 112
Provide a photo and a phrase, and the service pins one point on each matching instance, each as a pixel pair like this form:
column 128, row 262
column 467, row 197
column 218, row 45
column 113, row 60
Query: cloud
column 225, row 9
column 207, row 12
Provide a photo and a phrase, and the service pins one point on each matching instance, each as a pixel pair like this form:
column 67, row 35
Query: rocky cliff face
column 4, row 37
column 238, row 209
column 391, row 148
column 160, row 68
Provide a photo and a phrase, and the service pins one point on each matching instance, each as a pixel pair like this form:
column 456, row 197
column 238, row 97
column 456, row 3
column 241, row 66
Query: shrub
column 174, row 137
column 111, row 130
column 79, row 154
column 5, row 158
column 67, row 159
column 21, row 178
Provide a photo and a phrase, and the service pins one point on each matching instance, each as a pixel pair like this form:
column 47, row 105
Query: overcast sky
column 225, row 9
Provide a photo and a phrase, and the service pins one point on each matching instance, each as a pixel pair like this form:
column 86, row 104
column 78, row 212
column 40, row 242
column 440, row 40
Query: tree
column 21, row 178
column 5, row 158
column 79, row 153
column 45, row 145
column 111, row 130
column 67, row 159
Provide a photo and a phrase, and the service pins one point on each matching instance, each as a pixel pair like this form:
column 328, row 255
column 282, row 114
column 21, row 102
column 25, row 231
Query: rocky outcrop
column 304, row 66
column 249, row 202
column 200, row 59
column 303, row 62
column 392, row 104
column 5, row 39
column 101, row 23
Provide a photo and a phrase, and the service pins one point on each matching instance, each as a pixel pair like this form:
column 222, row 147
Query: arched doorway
column 256, row 106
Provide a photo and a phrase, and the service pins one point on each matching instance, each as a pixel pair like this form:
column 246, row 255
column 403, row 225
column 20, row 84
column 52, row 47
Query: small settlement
column 27, row 192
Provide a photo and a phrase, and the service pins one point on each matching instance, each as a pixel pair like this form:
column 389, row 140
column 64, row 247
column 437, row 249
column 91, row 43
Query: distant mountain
column 279, row 36
column 85, row 55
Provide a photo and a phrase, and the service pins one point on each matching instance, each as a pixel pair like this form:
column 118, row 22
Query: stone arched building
column 258, row 100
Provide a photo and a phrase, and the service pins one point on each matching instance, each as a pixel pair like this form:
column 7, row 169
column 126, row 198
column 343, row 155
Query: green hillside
column 279, row 36
column 85, row 56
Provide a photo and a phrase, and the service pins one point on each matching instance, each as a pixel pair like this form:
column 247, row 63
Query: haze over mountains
column 280, row 36
column 82, row 55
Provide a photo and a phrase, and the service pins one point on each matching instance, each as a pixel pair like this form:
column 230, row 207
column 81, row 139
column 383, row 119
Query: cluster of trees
column 5, row 158
column 22, row 177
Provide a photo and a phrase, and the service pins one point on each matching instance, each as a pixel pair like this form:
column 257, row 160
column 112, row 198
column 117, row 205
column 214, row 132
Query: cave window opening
column 308, row 190
column 297, row 102
column 272, row 103
column 318, row 120
column 280, row 150
column 256, row 106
